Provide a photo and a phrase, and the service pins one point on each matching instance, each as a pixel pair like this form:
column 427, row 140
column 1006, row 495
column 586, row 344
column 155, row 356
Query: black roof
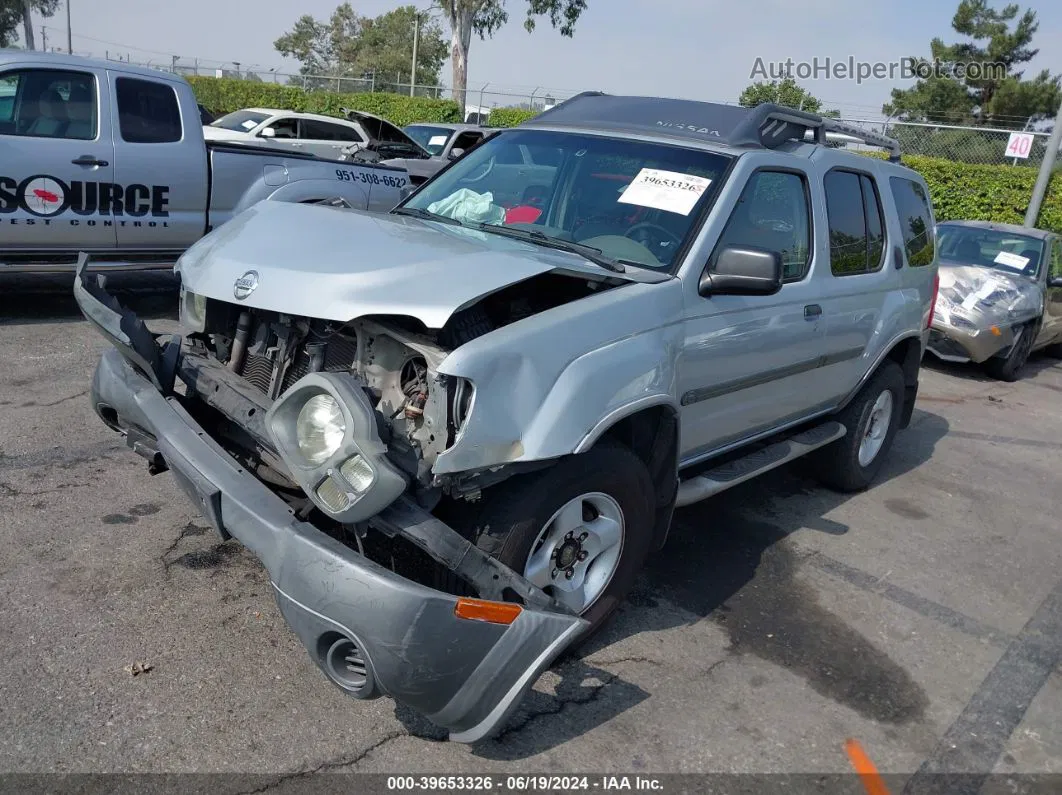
column 1017, row 229
column 764, row 126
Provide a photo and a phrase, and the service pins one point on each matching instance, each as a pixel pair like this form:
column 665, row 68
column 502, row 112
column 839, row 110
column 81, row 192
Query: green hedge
column 509, row 117
column 964, row 191
column 222, row 95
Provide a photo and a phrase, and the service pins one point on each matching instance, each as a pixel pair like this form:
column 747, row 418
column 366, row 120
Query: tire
column 515, row 514
column 1008, row 368
column 838, row 465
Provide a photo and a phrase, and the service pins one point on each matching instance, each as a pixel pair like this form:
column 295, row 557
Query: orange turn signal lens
column 492, row 612
column 995, row 330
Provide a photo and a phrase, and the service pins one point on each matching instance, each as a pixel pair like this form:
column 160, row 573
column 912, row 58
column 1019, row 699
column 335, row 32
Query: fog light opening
column 346, row 664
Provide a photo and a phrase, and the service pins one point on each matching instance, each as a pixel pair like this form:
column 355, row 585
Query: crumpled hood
column 336, row 264
column 985, row 296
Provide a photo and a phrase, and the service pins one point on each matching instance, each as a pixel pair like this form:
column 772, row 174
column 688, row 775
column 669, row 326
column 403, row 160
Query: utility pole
column 69, row 35
column 416, row 36
column 173, row 63
column 44, row 38
column 1048, row 164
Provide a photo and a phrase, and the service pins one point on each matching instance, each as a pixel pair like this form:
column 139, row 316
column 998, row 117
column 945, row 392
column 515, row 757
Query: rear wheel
column 852, row 462
column 1008, row 368
column 579, row 530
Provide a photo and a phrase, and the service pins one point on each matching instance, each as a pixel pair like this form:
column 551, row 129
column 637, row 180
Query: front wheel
column 1008, row 368
column 852, row 462
column 580, row 530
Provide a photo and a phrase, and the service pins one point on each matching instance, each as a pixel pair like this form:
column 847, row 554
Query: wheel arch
column 650, row 429
column 905, row 351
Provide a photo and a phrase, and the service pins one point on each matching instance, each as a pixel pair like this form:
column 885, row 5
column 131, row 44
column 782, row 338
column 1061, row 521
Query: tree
column 348, row 45
column 976, row 81
column 10, row 17
column 485, row 17
column 783, row 92
column 45, row 8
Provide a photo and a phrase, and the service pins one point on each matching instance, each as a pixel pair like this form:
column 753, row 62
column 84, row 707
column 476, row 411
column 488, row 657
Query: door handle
column 88, row 160
column 812, row 311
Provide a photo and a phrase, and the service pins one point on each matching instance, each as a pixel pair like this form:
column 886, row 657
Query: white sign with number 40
column 1019, row 144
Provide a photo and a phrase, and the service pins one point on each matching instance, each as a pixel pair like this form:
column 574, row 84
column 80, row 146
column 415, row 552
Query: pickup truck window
column 916, row 221
column 773, row 213
column 147, row 112
column 853, row 211
column 48, row 103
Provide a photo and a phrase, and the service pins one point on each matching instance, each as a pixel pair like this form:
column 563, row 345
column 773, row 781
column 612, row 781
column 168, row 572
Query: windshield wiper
column 417, row 212
column 594, row 255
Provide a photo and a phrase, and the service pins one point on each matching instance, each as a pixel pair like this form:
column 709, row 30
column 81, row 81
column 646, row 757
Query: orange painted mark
column 869, row 774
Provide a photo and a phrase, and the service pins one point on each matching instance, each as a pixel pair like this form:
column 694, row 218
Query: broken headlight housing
column 326, row 432
column 193, row 311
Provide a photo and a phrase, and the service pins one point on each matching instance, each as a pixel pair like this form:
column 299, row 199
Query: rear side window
column 147, row 111
column 916, row 220
column 773, row 213
column 853, row 211
column 314, row 130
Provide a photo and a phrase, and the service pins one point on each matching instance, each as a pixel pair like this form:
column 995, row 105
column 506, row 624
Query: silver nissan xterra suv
column 453, row 432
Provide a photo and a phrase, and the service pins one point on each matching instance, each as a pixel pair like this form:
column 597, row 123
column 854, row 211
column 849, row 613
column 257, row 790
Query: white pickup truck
column 110, row 159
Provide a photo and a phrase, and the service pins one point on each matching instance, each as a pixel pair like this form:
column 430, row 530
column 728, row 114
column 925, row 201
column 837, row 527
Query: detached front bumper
column 370, row 630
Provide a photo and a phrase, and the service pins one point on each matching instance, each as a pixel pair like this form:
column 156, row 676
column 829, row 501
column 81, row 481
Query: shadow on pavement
column 49, row 297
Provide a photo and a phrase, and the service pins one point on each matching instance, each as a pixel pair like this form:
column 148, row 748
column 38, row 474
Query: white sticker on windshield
column 1009, row 260
column 665, row 190
column 437, row 140
column 249, row 124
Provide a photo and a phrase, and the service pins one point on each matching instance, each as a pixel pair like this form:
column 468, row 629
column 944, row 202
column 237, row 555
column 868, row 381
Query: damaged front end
column 311, row 443
column 979, row 310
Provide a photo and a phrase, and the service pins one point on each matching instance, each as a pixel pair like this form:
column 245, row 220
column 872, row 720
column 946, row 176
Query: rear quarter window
column 147, row 111
column 916, row 220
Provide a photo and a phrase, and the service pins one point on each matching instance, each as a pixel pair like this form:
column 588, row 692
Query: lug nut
column 553, row 554
column 553, row 574
column 583, row 536
column 569, row 573
column 582, row 555
column 567, row 535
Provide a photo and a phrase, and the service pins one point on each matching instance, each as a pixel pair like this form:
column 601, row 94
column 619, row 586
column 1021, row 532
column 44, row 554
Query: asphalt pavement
column 922, row 618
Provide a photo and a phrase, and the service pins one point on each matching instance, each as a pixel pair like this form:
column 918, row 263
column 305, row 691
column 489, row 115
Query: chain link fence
column 980, row 145
column 964, row 144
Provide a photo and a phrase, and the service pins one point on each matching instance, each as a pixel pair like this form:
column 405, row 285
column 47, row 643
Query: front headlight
column 319, row 428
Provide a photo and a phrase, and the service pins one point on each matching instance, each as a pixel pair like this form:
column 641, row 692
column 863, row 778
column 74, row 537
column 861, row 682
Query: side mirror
column 1054, row 281
column 742, row 270
column 405, row 192
column 268, row 132
column 456, row 153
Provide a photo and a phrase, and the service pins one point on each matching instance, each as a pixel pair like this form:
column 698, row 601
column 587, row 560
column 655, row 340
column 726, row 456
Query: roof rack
column 764, row 126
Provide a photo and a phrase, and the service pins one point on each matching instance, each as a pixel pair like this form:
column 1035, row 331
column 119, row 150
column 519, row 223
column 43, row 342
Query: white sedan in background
column 323, row 136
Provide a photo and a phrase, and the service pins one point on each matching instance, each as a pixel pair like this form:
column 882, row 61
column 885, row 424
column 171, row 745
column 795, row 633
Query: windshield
column 989, row 248
column 431, row 138
column 637, row 202
column 240, row 120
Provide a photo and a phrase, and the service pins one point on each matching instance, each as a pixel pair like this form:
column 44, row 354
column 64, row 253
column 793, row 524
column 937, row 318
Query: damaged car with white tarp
column 453, row 432
column 1000, row 295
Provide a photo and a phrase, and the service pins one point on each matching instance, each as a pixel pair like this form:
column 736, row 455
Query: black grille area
column 258, row 370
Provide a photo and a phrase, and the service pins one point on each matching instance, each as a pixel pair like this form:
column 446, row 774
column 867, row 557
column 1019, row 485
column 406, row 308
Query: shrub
column 965, row 191
column 222, row 95
column 509, row 117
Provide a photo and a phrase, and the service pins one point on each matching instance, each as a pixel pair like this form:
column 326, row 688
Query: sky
column 695, row 49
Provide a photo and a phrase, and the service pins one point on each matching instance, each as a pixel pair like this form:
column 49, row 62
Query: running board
column 721, row 478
